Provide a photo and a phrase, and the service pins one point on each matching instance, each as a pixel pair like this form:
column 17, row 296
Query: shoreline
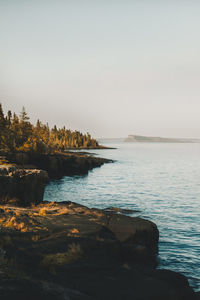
column 59, row 250
column 44, row 241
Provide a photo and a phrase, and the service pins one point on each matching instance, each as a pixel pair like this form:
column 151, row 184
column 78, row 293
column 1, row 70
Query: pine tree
column 2, row 128
column 23, row 116
column 18, row 134
column 25, row 127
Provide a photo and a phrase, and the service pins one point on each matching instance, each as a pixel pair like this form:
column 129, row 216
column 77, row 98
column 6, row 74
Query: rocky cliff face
column 22, row 186
column 25, row 175
column 58, row 165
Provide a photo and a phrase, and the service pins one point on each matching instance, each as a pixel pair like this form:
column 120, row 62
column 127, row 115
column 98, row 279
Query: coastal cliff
column 59, row 164
column 22, row 186
column 23, row 176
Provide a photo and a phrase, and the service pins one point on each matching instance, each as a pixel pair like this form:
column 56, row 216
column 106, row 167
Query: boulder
column 138, row 237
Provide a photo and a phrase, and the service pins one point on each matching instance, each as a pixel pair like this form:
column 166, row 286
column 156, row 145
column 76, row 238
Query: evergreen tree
column 2, row 129
column 18, row 134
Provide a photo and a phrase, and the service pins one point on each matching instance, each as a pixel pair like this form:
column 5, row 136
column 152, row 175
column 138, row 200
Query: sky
column 112, row 68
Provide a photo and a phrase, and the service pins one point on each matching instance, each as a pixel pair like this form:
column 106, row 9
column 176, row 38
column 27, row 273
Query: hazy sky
column 112, row 68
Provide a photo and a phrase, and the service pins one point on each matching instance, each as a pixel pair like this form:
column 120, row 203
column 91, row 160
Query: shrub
column 73, row 254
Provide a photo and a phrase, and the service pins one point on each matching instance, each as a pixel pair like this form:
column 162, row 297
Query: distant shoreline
column 145, row 139
column 100, row 147
column 149, row 139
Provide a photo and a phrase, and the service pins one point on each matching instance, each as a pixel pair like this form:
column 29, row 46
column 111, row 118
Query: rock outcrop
column 22, row 186
column 23, row 176
column 68, row 251
column 58, row 165
column 139, row 236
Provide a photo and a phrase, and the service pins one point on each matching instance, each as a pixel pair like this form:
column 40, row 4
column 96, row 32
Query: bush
column 73, row 254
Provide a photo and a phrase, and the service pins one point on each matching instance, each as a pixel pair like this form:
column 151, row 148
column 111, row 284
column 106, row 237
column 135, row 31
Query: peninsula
column 151, row 139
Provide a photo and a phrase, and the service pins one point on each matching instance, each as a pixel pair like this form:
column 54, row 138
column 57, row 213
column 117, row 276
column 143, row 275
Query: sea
column 160, row 182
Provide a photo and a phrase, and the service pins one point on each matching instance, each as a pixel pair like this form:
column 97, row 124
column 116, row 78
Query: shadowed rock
column 119, row 210
column 23, row 186
column 24, row 175
column 58, row 165
column 68, row 251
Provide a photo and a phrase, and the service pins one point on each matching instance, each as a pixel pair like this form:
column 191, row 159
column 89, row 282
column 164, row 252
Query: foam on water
column 160, row 180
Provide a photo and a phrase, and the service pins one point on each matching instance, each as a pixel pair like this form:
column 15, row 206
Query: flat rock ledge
column 22, row 186
column 59, row 164
column 68, row 251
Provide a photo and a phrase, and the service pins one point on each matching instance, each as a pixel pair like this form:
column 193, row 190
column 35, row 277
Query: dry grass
column 73, row 232
column 42, row 211
column 64, row 211
column 44, row 217
column 19, row 219
column 17, row 213
column 94, row 213
column 73, row 254
column 13, row 223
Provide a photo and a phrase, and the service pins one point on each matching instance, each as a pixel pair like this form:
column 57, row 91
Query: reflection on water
column 159, row 180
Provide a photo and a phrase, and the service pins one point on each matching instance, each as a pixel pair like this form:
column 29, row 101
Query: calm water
column 162, row 181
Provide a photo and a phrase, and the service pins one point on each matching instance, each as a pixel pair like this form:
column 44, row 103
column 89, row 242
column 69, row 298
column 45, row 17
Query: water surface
column 160, row 180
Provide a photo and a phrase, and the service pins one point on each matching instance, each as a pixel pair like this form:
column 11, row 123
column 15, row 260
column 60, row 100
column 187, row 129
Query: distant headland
column 151, row 139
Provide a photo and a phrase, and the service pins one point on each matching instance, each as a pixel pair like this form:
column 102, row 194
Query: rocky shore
column 65, row 250
column 23, row 176
column 59, row 164
column 68, row 251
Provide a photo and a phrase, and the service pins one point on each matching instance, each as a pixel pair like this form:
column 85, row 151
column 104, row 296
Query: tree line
column 17, row 133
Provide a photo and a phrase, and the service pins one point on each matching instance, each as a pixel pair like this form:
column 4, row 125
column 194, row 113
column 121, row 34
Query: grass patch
column 73, row 254
column 42, row 212
column 12, row 223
